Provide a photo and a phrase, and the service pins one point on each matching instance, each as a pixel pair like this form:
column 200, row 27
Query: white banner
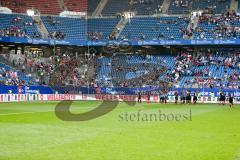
column 71, row 97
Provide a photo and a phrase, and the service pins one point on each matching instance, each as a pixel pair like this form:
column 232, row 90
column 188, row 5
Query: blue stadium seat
column 73, row 28
column 155, row 28
column 6, row 22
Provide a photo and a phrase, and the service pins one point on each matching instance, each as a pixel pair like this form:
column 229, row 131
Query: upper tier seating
column 115, row 6
column 49, row 7
column 218, row 27
column 102, row 26
column 238, row 6
column 143, row 7
column 16, row 22
column 213, row 6
column 155, row 28
column 179, row 7
column 43, row 6
column 186, row 6
column 76, row 5
column 146, row 7
column 92, row 5
column 73, row 28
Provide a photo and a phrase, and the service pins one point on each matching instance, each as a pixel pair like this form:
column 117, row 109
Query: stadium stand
column 155, row 28
column 218, row 27
column 63, row 70
column 114, row 7
column 137, row 70
column 15, row 25
column 43, row 6
column 179, row 7
column 238, row 6
column 209, row 6
column 74, row 28
column 92, row 5
column 209, row 69
column 71, row 71
column 11, row 76
column 212, row 6
column 104, row 71
column 215, row 70
column 146, row 7
column 76, row 5
column 101, row 28
column 61, row 27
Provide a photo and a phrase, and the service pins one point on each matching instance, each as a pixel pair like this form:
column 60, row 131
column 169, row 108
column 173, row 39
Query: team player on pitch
column 187, row 98
column 222, row 99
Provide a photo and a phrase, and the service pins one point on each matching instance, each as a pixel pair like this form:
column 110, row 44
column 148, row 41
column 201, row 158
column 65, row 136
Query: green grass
column 31, row 131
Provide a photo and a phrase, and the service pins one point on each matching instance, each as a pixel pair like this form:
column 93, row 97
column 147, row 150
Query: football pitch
column 31, row 131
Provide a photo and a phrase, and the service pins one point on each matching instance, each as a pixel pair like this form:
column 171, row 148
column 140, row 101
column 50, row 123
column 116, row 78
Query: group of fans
column 187, row 97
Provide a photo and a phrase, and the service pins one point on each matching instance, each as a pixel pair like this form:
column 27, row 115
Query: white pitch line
column 19, row 113
column 8, row 114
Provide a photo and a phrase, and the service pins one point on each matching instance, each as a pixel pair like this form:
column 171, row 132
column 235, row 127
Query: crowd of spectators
column 18, row 28
column 208, row 69
column 188, row 65
column 9, row 77
column 56, row 35
column 119, row 70
column 225, row 26
column 180, row 22
column 181, row 3
column 51, row 20
column 72, row 70
column 63, row 69
column 13, row 31
column 151, row 78
column 99, row 35
column 60, row 70
column 95, row 35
